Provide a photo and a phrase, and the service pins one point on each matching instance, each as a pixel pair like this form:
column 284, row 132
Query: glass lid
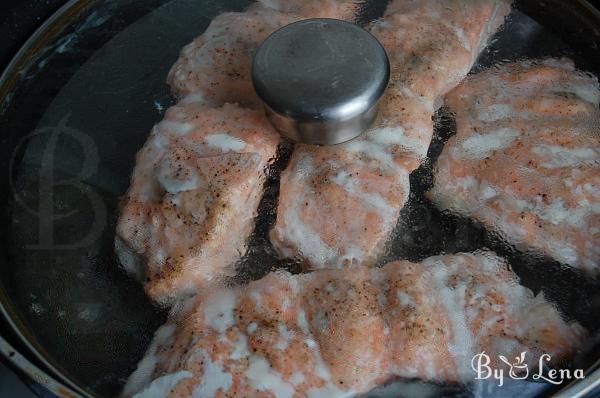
column 148, row 192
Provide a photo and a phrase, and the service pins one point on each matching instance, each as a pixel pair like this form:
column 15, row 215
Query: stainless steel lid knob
column 320, row 80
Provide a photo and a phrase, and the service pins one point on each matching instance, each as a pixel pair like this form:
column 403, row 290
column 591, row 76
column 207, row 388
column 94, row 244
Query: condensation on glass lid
column 110, row 321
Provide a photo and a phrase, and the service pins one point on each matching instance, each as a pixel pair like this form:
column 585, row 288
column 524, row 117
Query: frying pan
column 77, row 102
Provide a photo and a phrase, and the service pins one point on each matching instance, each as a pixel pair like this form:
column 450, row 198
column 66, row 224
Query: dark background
column 18, row 20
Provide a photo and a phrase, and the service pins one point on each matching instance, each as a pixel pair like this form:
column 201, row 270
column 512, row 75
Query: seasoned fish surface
column 193, row 196
column 338, row 205
column 335, row 333
column 217, row 65
column 526, row 159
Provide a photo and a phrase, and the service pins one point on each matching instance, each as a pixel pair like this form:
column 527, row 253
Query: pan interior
column 70, row 131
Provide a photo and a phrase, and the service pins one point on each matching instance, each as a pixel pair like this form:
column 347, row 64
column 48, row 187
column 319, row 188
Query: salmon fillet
column 217, row 65
column 199, row 178
column 525, row 160
column 339, row 204
column 193, row 196
column 334, row 333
